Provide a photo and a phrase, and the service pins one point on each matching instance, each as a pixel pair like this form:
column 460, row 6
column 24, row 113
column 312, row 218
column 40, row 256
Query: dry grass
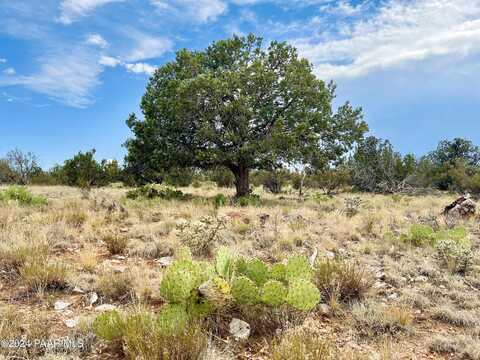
column 373, row 282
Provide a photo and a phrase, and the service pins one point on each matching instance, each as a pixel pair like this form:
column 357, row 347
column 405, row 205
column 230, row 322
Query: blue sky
column 72, row 70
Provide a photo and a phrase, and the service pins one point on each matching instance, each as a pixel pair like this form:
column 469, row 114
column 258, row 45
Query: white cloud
column 198, row 10
column 66, row 75
column 97, row 40
column 9, row 71
column 71, row 10
column 3, row 61
column 146, row 46
column 400, row 32
column 109, row 61
column 140, row 68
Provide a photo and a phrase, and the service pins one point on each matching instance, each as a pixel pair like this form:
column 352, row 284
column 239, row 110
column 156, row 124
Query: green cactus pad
column 274, row 293
column 245, row 291
column 180, row 279
column 298, row 267
column 303, row 295
column 278, row 272
column 257, row 271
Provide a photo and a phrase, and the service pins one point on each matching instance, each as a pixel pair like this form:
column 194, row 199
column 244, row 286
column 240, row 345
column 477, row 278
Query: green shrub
column 244, row 291
column 172, row 319
column 116, row 243
column 21, row 196
column 39, row 274
column 220, row 200
column 155, row 191
column 273, row 293
column 298, row 267
column 249, row 200
column 420, row 235
column 108, row 326
column 303, row 295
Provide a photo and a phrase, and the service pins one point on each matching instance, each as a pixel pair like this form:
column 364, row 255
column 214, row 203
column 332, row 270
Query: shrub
column 154, row 191
column 352, row 206
column 460, row 346
column 457, row 257
column 115, row 286
column 420, row 235
column 219, row 200
column 250, row 200
column 347, row 281
column 12, row 258
column 222, row 177
column 172, row 319
column 21, row 196
column 202, row 235
column 273, row 293
column 374, row 319
column 278, row 272
column 244, row 291
column 39, row 274
column 116, row 243
column 108, row 326
column 257, row 271
column 303, row 295
column 301, row 345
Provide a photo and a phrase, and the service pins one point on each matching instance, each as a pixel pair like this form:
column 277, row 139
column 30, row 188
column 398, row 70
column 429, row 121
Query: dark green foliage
column 376, row 167
column 152, row 191
column 242, row 106
column 222, row 177
column 248, row 200
column 22, row 196
column 220, row 200
column 108, row 326
column 179, row 177
column 272, row 181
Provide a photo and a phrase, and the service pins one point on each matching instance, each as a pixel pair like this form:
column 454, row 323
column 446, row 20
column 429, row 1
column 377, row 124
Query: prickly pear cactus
column 278, row 272
column 257, row 271
column 298, row 267
column 274, row 293
column 180, row 279
column 245, row 291
column 303, row 295
column 216, row 291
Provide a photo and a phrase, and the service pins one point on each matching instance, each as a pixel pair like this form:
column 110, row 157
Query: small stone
column 165, row 261
column 123, row 230
column 105, row 307
column 71, row 323
column 60, row 305
column 77, row 290
column 93, row 298
column 239, row 329
column 324, row 309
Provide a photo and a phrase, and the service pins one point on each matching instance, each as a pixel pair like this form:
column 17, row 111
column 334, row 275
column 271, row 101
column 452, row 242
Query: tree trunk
column 242, row 180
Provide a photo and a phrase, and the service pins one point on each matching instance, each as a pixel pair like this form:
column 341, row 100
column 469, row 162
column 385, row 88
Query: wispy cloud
column 71, row 10
column 145, row 46
column 399, row 32
column 9, row 71
column 140, row 68
column 3, row 60
column 97, row 40
column 65, row 75
column 198, row 10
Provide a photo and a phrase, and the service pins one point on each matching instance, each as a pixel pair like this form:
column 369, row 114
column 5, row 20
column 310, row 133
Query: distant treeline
column 374, row 166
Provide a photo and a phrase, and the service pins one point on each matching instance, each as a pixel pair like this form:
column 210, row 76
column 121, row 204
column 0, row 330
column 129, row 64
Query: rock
column 239, row 329
column 123, row 230
column 165, row 261
column 77, row 290
column 313, row 257
column 61, row 305
column 464, row 206
column 93, row 299
column 105, row 307
column 324, row 309
column 71, row 323
column 330, row 255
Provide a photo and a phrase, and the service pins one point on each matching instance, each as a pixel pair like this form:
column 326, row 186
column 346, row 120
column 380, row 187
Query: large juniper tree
column 240, row 106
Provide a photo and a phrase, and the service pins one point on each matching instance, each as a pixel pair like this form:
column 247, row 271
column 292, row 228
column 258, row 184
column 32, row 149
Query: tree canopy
column 240, row 106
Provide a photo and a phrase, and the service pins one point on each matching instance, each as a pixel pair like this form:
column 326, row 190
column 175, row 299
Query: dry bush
column 116, row 243
column 373, row 319
column 115, row 286
column 460, row 346
column 343, row 280
column 458, row 318
column 41, row 274
column 301, row 345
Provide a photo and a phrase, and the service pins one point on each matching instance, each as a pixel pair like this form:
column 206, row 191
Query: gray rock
column 239, row 329
column 61, row 305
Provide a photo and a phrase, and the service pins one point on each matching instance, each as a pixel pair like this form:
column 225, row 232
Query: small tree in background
column 239, row 106
column 6, row 173
column 82, row 170
column 23, row 165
